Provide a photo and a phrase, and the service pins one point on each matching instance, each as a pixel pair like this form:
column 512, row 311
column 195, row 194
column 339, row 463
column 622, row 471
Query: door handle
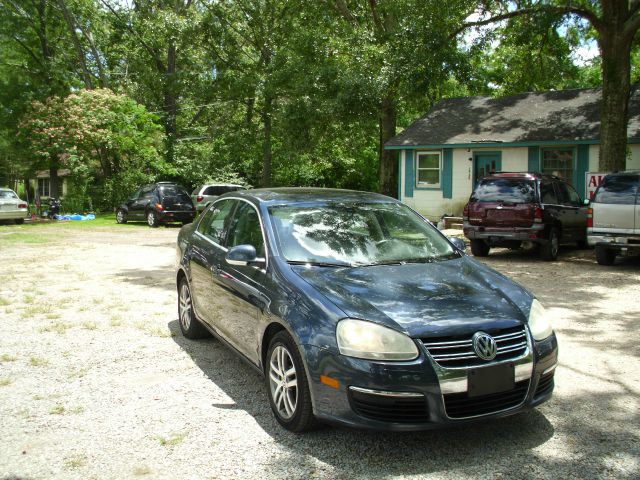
column 215, row 269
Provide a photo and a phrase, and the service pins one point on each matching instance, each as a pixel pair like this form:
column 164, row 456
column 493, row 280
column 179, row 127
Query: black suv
column 508, row 209
column 157, row 203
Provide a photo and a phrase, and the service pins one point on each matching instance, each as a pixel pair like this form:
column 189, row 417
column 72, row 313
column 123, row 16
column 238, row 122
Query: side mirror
column 458, row 243
column 243, row 255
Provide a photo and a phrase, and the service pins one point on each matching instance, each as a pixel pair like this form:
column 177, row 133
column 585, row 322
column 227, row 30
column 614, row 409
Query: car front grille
column 389, row 408
column 457, row 352
column 545, row 385
column 460, row 405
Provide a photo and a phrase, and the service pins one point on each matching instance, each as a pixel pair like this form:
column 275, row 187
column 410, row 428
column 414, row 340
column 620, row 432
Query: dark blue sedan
column 358, row 311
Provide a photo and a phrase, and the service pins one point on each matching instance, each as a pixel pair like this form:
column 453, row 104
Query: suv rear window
column 505, row 190
column 174, row 191
column 621, row 190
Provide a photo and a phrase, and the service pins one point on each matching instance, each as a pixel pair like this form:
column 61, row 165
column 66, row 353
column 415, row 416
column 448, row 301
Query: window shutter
column 409, row 174
column 447, row 173
column 534, row 160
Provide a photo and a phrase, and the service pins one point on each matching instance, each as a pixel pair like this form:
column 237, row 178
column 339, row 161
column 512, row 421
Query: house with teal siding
column 443, row 154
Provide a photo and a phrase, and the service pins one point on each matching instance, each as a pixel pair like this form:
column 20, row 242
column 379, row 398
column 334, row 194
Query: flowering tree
column 104, row 138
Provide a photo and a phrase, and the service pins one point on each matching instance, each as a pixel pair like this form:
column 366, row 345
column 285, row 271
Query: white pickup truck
column 613, row 223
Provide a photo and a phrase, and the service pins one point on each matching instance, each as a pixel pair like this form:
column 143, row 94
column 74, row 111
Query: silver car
column 613, row 226
column 11, row 207
column 205, row 194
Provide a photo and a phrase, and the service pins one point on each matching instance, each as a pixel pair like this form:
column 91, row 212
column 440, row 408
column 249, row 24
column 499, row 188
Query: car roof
column 627, row 173
column 295, row 195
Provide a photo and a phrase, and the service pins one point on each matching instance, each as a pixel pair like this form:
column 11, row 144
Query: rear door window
column 504, row 190
column 548, row 194
column 620, row 190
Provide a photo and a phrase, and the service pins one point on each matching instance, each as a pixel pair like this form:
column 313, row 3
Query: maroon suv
column 510, row 209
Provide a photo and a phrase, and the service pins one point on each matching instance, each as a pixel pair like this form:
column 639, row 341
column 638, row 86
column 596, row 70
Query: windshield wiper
column 319, row 264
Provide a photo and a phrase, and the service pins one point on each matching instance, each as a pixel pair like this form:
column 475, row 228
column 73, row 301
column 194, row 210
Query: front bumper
column 419, row 395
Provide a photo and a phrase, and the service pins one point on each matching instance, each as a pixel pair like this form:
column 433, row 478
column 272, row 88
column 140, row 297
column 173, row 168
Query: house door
column 484, row 163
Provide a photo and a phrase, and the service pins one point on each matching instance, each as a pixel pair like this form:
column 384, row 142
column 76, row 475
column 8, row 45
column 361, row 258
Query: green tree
column 616, row 23
column 105, row 139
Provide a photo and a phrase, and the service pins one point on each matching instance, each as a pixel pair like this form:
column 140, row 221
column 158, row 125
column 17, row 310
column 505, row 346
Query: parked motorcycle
column 54, row 207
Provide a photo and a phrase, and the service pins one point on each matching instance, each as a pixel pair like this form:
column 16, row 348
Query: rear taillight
column 589, row 217
column 22, row 205
column 199, row 198
column 537, row 215
column 465, row 213
column 159, row 206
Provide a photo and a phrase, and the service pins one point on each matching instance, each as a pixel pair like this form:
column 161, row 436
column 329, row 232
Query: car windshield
column 504, row 190
column 356, row 234
column 7, row 194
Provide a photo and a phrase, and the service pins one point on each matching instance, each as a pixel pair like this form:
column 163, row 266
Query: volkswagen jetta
column 358, row 311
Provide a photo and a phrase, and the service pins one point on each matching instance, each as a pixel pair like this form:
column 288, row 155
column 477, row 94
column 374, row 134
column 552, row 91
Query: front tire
column 287, row 385
column 189, row 324
column 479, row 248
column 152, row 219
column 605, row 256
column 549, row 251
column 121, row 217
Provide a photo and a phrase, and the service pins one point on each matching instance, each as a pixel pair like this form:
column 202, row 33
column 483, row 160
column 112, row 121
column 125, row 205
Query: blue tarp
column 75, row 216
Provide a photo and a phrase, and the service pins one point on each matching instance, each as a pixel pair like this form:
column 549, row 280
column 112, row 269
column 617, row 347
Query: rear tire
column 152, row 219
column 189, row 324
column 287, row 385
column 479, row 248
column 549, row 251
column 605, row 256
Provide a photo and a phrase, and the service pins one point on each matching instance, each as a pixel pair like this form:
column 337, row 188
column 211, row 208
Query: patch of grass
column 20, row 238
column 89, row 325
column 53, row 315
column 5, row 357
column 37, row 397
column 141, row 470
column 38, row 362
column 115, row 320
column 5, row 381
column 76, row 461
column 57, row 327
column 28, row 299
column 173, row 439
column 58, row 410
column 78, row 372
column 4, row 302
column 38, row 309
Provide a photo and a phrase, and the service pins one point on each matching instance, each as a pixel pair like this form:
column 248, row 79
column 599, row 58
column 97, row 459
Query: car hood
column 454, row 297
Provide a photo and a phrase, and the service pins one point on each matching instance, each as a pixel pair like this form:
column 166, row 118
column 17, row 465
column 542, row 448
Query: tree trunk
column 71, row 25
column 615, row 50
column 266, row 142
column 388, row 163
column 170, row 106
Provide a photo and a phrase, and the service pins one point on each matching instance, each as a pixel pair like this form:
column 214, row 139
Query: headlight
column 539, row 322
column 357, row 338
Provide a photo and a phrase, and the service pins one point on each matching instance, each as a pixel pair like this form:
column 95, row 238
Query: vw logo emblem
column 485, row 346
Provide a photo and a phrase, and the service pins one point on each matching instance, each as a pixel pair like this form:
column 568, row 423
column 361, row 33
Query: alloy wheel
column 283, row 382
column 184, row 306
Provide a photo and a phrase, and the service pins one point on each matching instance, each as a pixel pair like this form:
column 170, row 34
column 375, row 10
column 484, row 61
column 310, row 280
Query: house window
column 428, row 169
column 43, row 187
column 558, row 162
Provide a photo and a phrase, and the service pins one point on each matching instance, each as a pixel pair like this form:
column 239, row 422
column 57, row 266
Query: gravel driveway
column 97, row 382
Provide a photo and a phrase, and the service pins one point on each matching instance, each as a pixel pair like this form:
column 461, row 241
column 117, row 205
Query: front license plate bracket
column 493, row 379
